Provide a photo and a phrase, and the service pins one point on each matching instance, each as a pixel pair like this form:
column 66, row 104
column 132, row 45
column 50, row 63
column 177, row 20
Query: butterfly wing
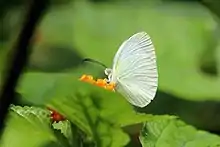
column 135, row 70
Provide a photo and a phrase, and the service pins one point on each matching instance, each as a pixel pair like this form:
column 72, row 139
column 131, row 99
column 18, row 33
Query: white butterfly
column 134, row 70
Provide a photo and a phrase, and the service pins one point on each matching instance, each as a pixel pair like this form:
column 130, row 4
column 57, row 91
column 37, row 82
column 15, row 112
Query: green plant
column 95, row 117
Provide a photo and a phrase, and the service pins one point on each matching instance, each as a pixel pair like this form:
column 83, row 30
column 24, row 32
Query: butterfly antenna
column 93, row 61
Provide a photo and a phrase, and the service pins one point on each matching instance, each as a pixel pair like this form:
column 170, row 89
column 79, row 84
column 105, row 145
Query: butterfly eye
column 108, row 71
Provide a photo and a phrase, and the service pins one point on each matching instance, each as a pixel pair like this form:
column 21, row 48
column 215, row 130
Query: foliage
column 95, row 116
column 92, row 117
column 28, row 127
column 172, row 132
column 179, row 57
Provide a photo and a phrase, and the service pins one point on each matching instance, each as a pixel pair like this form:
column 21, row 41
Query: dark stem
column 20, row 57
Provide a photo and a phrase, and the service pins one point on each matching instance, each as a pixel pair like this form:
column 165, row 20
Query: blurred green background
column 186, row 35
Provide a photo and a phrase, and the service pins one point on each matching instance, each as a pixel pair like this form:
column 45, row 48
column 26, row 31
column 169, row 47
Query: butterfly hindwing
column 135, row 70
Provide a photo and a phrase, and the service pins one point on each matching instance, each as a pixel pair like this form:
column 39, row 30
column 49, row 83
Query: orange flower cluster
column 99, row 82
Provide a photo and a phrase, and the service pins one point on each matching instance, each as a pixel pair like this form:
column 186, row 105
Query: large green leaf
column 35, row 86
column 172, row 132
column 28, row 127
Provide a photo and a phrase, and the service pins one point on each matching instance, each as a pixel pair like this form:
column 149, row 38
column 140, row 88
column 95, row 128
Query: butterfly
column 134, row 70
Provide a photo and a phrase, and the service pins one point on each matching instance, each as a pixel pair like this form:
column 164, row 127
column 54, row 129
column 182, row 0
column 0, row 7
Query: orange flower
column 110, row 86
column 87, row 78
column 99, row 82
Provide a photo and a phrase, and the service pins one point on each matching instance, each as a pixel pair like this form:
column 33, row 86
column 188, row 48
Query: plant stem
column 20, row 57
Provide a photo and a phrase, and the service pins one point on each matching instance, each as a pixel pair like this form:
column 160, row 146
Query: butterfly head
column 108, row 72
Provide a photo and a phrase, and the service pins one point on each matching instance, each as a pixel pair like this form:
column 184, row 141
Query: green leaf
column 63, row 139
column 75, row 101
column 28, row 127
column 68, row 134
column 171, row 132
column 36, row 86
column 33, row 89
column 64, row 127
